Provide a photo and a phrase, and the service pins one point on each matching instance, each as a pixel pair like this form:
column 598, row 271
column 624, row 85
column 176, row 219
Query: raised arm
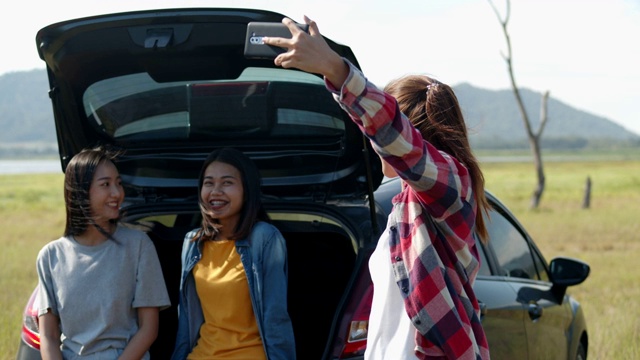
column 435, row 176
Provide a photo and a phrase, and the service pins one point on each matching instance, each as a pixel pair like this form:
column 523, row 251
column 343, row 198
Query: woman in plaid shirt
column 426, row 261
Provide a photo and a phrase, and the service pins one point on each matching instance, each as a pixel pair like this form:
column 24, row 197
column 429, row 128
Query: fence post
column 586, row 202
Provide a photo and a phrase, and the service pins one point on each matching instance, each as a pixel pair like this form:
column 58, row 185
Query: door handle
column 483, row 309
column 535, row 311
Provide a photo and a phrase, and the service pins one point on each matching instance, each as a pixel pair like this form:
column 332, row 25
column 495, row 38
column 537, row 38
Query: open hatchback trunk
column 169, row 86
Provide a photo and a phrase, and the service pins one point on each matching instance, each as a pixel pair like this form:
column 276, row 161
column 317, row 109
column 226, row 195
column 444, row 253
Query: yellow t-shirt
column 230, row 330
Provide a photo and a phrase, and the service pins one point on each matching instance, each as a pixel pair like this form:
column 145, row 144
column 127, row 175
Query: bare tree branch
column 543, row 114
column 534, row 138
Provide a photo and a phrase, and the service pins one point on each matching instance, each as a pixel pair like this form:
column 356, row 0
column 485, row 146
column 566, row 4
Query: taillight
column 30, row 332
column 353, row 330
column 356, row 342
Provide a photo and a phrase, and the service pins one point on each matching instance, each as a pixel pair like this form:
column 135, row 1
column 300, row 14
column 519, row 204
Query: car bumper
column 26, row 352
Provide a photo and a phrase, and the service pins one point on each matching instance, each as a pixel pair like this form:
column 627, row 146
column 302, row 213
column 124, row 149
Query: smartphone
column 254, row 48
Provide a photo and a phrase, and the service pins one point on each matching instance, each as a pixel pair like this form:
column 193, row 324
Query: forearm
column 147, row 333
column 50, row 348
column 398, row 142
column 50, row 337
column 137, row 346
column 376, row 113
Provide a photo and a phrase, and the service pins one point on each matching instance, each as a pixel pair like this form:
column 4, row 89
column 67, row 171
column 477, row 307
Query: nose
column 216, row 189
column 117, row 190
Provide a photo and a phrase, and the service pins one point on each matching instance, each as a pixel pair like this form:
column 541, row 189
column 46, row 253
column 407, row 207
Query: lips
column 113, row 209
column 217, row 204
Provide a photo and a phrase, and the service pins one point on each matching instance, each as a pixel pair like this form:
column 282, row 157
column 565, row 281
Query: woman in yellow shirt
column 233, row 292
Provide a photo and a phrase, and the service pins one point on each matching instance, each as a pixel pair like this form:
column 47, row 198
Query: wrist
column 337, row 72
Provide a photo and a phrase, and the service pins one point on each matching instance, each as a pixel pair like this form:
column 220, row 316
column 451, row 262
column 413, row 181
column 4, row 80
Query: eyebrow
column 108, row 178
column 222, row 177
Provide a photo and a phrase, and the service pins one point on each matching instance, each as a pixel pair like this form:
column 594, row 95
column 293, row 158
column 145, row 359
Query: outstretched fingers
column 313, row 27
column 292, row 26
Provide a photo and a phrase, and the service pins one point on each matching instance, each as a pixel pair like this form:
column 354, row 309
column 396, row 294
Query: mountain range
column 492, row 117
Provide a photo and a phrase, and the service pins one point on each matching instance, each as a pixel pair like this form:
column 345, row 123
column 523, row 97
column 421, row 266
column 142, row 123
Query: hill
column 494, row 120
column 26, row 118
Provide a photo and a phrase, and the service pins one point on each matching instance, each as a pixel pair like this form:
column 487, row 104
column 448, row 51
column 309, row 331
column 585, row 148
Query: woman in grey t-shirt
column 100, row 285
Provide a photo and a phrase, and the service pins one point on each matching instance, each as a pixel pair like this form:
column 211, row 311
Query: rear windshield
column 261, row 103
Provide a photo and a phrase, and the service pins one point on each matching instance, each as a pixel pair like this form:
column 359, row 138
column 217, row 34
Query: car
column 169, row 86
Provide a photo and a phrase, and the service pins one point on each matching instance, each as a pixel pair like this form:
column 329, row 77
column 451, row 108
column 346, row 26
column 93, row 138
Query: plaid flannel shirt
column 433, row 252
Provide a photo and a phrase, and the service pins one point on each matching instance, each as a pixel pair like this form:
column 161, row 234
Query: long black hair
column 252, row 208
column 78, row 177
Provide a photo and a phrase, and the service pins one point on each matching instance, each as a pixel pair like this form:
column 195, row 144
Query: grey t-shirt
column 95, row 290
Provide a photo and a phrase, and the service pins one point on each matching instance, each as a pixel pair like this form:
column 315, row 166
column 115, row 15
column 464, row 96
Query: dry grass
column 606, row 236
column 31, row 214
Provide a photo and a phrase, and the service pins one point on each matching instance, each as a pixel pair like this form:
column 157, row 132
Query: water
column 53, row 166
column 30, row 167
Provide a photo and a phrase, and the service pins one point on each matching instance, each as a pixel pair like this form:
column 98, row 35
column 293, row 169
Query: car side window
column 511, row 248
column 542, row 272
column 484, row 263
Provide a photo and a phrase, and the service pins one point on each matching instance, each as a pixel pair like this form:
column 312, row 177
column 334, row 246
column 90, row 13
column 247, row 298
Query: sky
column 586, row 53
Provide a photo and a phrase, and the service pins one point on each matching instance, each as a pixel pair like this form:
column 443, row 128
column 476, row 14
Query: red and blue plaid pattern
column 433, row 251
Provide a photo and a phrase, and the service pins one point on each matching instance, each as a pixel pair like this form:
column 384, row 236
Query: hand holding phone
column 254, row 48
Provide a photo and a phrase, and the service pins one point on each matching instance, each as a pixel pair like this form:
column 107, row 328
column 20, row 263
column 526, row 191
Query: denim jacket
column 264, row 258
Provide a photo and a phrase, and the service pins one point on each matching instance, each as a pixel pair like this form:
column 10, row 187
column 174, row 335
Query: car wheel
column 581, row 353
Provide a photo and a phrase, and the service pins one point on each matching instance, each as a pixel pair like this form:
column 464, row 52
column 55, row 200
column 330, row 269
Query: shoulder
column 54, row 251
column 128, row 231
column 264, row 229
column 48, row 248
column 188, row 241
column 188, row 244
column 267, row 244
column 132, row 237
column 265, row 234
column 54, row 246
column 191, row 234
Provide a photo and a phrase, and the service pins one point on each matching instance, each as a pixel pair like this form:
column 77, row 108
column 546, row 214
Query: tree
column 534, row 137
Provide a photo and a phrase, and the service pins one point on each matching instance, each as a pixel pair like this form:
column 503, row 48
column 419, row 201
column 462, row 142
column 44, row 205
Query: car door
column 502, row 320
column 519, row 264
column 502, row 315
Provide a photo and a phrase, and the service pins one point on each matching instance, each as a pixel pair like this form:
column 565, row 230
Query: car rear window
column 261, row 103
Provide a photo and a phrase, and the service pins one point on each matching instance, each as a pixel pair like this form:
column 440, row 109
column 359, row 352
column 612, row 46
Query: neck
column 92, row 236
column 222, row 235
column 226, row 229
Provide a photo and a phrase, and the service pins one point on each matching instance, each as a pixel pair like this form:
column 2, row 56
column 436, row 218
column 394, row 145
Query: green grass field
column 31, row 214
column 607, row 236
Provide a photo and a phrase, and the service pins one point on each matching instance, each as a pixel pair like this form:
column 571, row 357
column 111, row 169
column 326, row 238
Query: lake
column 8, row 167
column 30, row 167
column 53, row 166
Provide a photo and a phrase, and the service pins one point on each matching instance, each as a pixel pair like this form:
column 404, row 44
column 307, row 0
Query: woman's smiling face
column 223, row 194
column 106, row 194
